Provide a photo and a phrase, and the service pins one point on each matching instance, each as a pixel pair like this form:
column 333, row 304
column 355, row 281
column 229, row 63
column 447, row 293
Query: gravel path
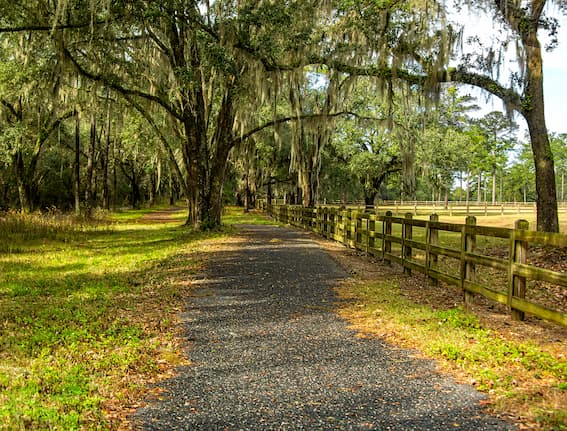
column 268, row 353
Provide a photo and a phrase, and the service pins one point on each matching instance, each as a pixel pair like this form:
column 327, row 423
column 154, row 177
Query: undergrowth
column 27, row 230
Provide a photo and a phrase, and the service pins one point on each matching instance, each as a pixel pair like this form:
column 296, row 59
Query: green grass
column 233, row 216
column 521, row 377
column 88, row 313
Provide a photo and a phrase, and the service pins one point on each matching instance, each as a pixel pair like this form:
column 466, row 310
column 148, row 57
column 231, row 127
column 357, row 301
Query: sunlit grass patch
column 236, row 215
column 22, row 231
column 523, row 377
column 89, row 316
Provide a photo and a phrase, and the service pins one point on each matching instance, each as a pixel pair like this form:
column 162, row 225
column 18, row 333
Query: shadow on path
column 268, row 353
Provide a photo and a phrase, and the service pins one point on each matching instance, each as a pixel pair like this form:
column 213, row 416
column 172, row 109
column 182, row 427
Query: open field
column 497, row 220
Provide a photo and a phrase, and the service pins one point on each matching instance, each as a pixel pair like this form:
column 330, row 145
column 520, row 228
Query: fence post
column 372, row 228
column 346, row 226
column 516, row 283
column 407, row 230
column 386, row 231
column 468, row 244
column 335, row 223
column 354, row 228
column 329, row 220
column 432, row 238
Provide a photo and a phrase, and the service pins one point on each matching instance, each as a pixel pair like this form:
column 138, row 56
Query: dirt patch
column 160, row 216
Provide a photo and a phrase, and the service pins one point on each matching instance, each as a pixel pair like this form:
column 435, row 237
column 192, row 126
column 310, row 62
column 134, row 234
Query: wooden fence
column 452, row 208
column 415, row 245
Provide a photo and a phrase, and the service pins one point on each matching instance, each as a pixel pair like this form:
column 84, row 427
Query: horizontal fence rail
column 428, row 207
column 415, row 245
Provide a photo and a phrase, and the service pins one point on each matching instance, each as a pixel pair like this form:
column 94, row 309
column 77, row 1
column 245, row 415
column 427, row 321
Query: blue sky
column 554, row 74
column 555, row 85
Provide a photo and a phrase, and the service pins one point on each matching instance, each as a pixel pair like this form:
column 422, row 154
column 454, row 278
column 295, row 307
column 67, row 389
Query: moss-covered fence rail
column 499, row 269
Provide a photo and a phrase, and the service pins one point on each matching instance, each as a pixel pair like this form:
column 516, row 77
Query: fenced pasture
column 517, row 267
column 502, row 214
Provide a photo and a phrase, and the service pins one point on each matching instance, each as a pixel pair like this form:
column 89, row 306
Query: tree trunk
column 77, row 166
column 467, row 195
column 494, row 186
column 206, row 183
column 246, row 190
column 501, row 186
column 22, row 182
column 525, row 194
column 269, row 193
column 563, row 186
column 105, row 163
column 534, row 112
column 547, row 217
column 136, row 195
column 89, row 189
column 408, row 184
column 171, row 191
column 306, row 188
column 114, row 175
column 152, row 189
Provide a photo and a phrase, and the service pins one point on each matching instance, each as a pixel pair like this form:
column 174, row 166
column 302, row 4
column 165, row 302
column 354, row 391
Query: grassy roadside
column 525, row 379
column 88, row 314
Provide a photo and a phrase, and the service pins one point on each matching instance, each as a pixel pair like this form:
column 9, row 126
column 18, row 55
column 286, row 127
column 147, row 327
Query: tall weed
column 17, row 228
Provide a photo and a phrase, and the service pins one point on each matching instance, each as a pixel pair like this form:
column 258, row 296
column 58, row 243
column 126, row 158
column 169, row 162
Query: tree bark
column 89, row 189
column 563, row 186
column 77, row 166
column 494, row 186
column 22, row 182
column 105, row 163
column 547, row 215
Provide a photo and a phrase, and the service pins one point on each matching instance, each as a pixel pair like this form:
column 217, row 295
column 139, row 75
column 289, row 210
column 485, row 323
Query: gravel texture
column 268, row 353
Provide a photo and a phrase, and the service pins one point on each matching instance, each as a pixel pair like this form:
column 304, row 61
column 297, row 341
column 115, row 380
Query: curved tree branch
column 40, row 27
column 510, row 97
column 112, row 83
column 282, row 120
column 165, row 142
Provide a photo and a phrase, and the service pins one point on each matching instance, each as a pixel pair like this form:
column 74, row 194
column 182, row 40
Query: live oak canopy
column 199, row 72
